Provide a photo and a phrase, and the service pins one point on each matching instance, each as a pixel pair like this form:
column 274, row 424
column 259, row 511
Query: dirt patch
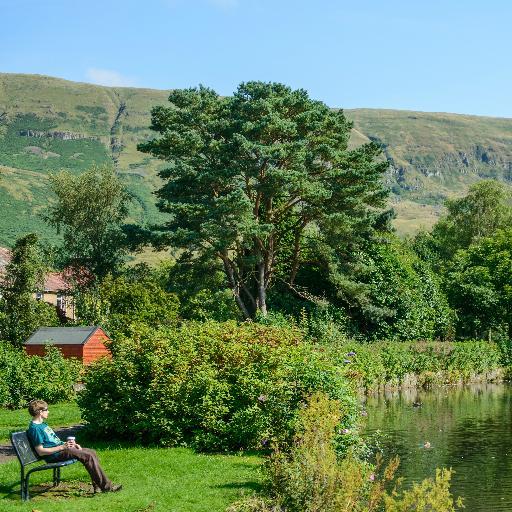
column 35, row 150
column 45, row 492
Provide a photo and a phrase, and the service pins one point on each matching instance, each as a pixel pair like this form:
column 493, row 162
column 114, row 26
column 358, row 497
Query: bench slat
column 23, row 448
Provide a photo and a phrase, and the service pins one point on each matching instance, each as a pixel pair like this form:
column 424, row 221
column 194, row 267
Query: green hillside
column 47, row 124
column 434, row 156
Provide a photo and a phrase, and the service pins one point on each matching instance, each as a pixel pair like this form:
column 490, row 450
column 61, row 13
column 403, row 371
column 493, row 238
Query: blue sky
column 450, row 56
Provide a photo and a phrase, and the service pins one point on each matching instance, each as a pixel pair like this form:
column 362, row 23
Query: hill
column 434, row 156
column 47, row 124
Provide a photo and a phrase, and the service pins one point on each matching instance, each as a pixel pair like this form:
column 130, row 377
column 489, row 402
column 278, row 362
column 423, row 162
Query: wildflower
column 351, row 354
column 371, row 478
column 364, row 413
column 347, row 361
column 262, row 398
column 345, row 431
column 264, row 442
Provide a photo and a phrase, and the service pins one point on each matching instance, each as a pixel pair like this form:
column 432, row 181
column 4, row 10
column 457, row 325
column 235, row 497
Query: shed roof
column 62, row 335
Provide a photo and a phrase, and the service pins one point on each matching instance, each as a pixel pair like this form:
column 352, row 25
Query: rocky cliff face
column 433, row 156
column 55, row 135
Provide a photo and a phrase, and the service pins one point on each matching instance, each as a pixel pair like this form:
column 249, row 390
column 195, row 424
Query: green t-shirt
column 41, row 433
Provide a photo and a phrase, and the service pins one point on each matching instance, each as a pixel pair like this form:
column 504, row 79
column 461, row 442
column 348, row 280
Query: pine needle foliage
column 253, row 176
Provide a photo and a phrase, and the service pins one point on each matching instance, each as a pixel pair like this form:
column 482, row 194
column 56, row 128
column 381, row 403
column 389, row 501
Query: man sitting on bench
column 47, row 444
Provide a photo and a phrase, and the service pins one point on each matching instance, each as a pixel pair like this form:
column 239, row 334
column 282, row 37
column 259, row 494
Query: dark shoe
column 113, row 488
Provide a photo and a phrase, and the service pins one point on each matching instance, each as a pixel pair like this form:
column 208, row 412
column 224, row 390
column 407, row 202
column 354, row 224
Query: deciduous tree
column 89, row 211
column 486, row 208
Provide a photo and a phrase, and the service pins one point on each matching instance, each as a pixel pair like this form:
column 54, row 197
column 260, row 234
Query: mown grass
column 61, row 415
column 153, row 479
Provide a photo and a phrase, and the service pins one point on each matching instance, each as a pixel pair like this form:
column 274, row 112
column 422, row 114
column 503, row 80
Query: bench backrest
column 23, row 448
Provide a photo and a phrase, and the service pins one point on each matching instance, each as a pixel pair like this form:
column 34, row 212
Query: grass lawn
column 61, row 415
column 153, row 479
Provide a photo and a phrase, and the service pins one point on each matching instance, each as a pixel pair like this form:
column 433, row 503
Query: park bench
column 27, row 455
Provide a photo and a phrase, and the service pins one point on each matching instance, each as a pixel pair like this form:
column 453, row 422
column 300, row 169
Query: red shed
column 84, row 343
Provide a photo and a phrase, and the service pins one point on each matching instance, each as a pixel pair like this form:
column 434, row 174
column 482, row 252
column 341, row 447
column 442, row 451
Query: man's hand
column 77, row 446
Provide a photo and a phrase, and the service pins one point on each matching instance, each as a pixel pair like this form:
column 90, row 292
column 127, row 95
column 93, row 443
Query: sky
column 426, row 55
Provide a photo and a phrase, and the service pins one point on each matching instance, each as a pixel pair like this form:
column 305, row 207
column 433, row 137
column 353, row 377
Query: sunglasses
column 45, row 409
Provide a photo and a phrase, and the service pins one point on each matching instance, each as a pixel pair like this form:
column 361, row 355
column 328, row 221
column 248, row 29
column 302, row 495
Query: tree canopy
column 90, row 210
column 254, row 178
column 486, row 208
column 479, row 286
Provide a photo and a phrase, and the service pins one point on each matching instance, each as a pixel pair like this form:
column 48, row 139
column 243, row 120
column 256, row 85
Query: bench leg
column 56, row 477
column 27, row 494
column 22, row 484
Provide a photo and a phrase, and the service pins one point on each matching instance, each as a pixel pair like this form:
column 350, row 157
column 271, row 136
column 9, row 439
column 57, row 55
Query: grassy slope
column 153, row 479
column 433, row 155
column 46, row 104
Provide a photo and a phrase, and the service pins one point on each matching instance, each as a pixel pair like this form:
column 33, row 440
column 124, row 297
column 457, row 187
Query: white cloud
column 109, row 77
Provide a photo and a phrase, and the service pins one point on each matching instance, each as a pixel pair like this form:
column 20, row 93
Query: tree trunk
column 262, row 291
column 235, row 286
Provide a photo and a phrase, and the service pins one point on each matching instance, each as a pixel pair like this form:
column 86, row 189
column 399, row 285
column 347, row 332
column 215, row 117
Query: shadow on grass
column 69, row 489
column 253, row 486
column 89, row 439
column 10, row 491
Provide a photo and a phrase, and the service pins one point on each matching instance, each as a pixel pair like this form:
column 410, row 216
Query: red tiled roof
column 55, row 282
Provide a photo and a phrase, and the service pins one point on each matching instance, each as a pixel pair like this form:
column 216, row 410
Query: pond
column 468, row 428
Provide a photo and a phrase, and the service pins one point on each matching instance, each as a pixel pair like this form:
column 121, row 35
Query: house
column 85, row 343
column 57, row 292
column 56, row 289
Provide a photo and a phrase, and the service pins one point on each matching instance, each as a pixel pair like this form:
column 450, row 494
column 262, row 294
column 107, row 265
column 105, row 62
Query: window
column 61, row 302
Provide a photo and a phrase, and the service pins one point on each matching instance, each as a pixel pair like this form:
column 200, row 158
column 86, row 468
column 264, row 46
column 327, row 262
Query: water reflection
column 468, row 428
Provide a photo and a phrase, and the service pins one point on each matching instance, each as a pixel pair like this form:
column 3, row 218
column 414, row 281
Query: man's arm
column 42, row 451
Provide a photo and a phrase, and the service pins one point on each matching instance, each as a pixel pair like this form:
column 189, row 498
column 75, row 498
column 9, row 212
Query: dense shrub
column 372, row 364
column 23, row 377
column 403, row 298
column 212, row 385
column 201, row 286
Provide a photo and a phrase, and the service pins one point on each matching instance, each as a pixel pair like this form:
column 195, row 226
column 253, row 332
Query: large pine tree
column 253, row 177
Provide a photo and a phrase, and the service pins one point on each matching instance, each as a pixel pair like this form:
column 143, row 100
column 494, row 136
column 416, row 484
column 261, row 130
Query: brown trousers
column 89, row 459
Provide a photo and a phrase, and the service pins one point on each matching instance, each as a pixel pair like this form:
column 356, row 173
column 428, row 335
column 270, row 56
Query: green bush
column 23, row 377
column 373, row 364
column 118, row 302
column 216, row 386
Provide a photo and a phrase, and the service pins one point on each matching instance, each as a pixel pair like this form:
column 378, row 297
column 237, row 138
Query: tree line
column 271, row 216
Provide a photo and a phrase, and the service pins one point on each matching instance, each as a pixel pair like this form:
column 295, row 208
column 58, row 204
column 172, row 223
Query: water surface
column 469, row 429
